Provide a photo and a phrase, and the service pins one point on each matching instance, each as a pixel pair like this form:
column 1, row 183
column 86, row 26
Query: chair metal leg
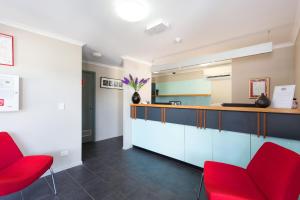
column 200, row 187
column 53, row 181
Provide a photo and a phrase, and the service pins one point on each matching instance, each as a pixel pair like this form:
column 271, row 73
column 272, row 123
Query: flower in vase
column 135, row 83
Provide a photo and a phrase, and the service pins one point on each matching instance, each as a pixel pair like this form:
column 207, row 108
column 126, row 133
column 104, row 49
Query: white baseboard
column 127, row 147
column 61, row 168
column 106, row 138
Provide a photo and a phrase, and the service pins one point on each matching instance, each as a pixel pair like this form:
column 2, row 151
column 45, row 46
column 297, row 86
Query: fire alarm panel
column 9, row 93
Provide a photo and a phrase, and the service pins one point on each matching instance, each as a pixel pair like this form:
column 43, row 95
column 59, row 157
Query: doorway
column 88, row 106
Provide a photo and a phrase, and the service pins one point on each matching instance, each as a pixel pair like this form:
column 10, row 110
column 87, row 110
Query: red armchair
column 18, row 171
column 273, row 174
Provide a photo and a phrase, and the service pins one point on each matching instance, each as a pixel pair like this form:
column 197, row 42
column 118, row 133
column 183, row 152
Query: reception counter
column 194, row 134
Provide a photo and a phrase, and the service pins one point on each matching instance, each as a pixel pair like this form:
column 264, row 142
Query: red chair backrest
column 276, row 171
column 9, row 151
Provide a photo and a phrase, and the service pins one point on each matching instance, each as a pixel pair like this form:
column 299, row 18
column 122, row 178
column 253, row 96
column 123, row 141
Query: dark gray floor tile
column 81, row 174
column 143, row 194
column 113, row 196
column 126, row 186
column 39, row 190
column 15, row 196
column 63, row 182
column 99, row 189
column 74, row 195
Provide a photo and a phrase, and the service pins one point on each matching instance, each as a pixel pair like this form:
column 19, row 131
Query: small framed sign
column 283, row 96
column 6, row 50
column 257, row 86
column 111, row 83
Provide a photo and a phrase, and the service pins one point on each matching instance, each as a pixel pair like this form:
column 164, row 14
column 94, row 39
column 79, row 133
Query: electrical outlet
column 64, row 153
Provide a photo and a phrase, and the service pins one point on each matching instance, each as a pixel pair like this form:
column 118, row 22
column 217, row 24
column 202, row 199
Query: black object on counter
column 262, row 101
column 238, row 105
column 136, row 98
column 163, row 103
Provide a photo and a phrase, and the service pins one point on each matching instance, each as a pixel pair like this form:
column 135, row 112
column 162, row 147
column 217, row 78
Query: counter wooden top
column 221, row 108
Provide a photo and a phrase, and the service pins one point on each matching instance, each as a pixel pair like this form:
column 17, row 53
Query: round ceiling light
column 132, row 10
column 178, row 40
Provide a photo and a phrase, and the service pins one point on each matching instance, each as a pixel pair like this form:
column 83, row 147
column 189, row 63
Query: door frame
column 94, row 108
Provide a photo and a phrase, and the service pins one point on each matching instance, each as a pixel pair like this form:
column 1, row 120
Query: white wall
column 50, row 72
column 140, row 70
column 297, row 67
column 109, row 103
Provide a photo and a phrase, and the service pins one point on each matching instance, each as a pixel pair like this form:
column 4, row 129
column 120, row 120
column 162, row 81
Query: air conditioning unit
column 219, row 76
column 222, row 72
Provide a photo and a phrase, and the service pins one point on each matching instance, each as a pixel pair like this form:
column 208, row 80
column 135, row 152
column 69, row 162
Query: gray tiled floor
column 109, row 173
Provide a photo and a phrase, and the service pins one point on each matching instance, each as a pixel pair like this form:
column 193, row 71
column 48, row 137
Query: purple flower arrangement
column 135, row 83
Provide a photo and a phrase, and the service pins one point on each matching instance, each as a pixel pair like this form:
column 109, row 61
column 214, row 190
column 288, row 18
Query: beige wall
column 50, row 72
column 109, row 103
column 297, row 67
column 221, row 91
column 278, row 65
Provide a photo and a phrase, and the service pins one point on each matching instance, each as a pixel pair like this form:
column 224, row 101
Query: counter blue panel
column 239, row 122
column 154, row 114
column 283, row 126
column 212, row 119
column 140, row 112
column 181, row 116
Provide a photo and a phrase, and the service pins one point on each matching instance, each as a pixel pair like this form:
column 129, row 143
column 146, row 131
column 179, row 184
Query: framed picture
column 257, row 86
column 111, row 83
column 6, row 50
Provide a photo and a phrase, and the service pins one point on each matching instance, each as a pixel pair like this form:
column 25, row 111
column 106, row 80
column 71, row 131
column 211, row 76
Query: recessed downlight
column 97, row 54
column 131, row 10
column 178, row 40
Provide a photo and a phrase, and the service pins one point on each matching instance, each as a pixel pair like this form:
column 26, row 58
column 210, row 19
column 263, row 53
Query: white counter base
column 194, row 145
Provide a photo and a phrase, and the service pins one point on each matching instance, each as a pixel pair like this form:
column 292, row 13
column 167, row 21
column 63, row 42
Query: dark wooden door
column 88, row 106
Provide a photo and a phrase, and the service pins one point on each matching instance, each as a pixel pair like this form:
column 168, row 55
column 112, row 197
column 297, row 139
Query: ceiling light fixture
column 97, row 54
column 132, row 10
column 157, row 26
column 178, row 40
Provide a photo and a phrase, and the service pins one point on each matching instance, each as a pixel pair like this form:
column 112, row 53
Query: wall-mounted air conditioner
column 219, row 76
column 221, row 72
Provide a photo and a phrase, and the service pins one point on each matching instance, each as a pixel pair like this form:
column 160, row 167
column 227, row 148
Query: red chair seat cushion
column 223, row 181
column 23, row 172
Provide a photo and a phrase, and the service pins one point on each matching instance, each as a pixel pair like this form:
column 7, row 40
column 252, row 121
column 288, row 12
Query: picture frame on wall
column 110, row 83
column 6, row 50
column 257, row 86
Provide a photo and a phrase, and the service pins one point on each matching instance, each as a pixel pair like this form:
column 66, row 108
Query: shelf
column 183, row 95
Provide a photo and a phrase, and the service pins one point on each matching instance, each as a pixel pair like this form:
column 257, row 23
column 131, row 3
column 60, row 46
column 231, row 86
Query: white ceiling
column 200, row 23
